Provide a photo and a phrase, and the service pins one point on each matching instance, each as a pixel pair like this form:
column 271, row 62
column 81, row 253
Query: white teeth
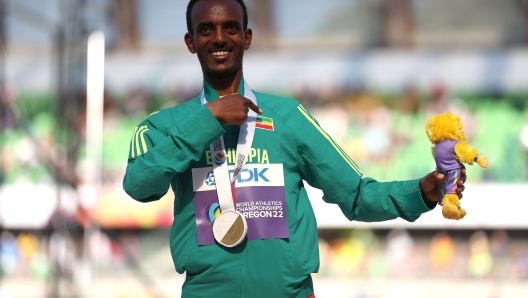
column 220, row 53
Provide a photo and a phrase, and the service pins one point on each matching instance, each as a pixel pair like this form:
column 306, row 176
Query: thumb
column 439, row 177
column 428, row 182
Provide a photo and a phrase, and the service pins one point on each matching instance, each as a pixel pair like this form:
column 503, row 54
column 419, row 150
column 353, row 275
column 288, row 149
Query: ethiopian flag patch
column 264, row 123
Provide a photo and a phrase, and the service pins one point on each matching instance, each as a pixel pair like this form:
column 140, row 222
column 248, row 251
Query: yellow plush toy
column 450, row 150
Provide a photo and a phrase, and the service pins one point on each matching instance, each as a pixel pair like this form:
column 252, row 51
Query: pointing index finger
column 253, row 107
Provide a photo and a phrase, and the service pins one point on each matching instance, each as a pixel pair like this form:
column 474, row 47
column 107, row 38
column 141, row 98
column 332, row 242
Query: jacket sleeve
column 324, row 165
column 158, row 154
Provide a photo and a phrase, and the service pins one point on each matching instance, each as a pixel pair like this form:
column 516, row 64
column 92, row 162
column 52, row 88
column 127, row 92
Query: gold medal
column 230, row 228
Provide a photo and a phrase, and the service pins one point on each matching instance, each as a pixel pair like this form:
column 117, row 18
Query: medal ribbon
column 225, row 187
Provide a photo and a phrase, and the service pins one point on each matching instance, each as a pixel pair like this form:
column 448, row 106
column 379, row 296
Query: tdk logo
column 266, row 175
column 248, row 175
column 210, row 179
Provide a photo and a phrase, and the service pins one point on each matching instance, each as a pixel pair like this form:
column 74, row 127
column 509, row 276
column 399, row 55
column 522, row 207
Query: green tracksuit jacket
column 170, row 143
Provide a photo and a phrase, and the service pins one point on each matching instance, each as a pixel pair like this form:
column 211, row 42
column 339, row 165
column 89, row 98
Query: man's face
column 219, row 38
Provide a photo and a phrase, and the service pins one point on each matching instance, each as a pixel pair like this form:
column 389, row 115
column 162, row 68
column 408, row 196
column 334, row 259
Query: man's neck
column 225, row 85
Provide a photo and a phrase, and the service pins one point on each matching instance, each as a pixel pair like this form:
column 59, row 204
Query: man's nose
column 219, row 37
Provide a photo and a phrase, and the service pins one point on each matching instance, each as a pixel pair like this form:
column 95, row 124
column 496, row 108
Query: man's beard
column 215, row 72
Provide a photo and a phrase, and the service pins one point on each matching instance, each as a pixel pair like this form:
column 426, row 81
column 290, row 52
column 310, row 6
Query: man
column 173, row 148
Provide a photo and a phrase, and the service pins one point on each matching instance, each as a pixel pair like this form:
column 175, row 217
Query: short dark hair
column 193, row 2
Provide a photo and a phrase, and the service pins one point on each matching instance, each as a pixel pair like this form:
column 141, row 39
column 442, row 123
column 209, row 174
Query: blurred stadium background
column 371, row 72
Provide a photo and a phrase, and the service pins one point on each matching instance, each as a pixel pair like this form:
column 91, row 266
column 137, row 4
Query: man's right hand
column 232, row 109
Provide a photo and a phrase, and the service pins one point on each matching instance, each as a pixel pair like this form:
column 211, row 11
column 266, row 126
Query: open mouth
column 220, row 53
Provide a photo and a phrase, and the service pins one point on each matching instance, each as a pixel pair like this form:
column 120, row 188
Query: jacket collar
column 212, row 95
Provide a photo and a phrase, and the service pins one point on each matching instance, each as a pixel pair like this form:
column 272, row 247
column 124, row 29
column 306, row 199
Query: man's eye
column 204, row 30
column 233, row 28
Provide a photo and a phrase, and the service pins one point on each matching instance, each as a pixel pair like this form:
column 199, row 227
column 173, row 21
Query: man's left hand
column 429, row 184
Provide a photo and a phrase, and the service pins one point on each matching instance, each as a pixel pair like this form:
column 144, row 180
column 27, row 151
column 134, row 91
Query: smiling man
column 236, row 160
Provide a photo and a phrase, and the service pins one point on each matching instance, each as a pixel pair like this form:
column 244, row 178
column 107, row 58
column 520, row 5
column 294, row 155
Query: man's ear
column 189, row 42
column 249, row 35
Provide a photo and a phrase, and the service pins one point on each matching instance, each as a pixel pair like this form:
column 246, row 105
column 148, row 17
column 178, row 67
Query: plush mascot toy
column 450, row 150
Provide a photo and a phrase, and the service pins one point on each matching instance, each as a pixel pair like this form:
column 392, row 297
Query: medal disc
column 230, row 228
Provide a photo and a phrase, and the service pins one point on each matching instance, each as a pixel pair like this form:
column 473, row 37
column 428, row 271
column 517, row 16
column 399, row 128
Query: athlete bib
column 260, row 198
